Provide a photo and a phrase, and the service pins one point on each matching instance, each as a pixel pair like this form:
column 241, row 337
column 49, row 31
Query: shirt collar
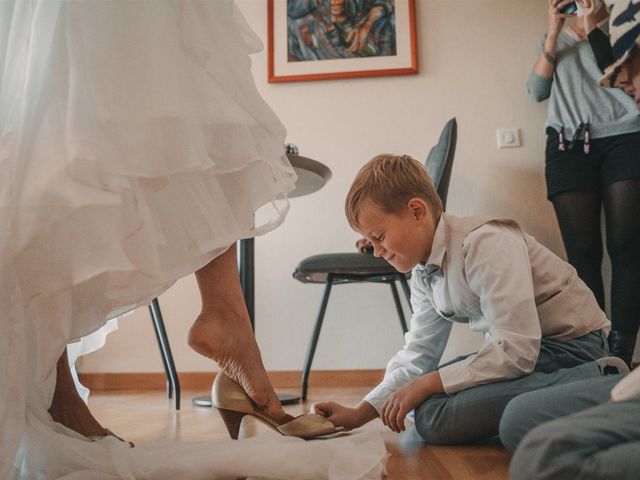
column 438, row 248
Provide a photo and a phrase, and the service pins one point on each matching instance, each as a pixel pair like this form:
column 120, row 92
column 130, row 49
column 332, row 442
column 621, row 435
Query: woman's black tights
column 579, row 218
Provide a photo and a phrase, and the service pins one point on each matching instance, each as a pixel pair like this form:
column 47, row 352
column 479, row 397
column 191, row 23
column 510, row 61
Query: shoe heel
column 232, row 421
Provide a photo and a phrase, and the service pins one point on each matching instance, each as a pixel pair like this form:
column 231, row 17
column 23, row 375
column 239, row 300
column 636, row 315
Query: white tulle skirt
column 134, row 149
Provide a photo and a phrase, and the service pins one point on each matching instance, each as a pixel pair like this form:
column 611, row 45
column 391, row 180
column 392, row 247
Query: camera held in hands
column 570, row 8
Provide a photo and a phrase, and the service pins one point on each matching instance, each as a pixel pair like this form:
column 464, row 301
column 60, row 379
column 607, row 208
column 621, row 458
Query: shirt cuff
column 378, row 396
column 456, row 377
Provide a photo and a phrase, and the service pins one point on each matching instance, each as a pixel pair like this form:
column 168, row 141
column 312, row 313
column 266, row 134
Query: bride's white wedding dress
column 134, row 149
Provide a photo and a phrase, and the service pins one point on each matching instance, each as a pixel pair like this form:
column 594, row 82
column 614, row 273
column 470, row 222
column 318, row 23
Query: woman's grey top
column 576, row 97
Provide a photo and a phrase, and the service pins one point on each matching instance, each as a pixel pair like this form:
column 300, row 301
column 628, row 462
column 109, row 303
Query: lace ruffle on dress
column 134, row 149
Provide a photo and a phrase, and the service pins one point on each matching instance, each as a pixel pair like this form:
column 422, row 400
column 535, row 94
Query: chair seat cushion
column 316, row 268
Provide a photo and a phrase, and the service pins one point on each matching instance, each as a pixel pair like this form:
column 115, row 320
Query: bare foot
column 220, row 335
column 223, row 332
column 68, row 408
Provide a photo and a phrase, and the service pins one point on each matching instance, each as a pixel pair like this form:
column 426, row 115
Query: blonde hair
column 390, row 181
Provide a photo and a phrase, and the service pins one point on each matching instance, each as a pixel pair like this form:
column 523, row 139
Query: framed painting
column 328, row 39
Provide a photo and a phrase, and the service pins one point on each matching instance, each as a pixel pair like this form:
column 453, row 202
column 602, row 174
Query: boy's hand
column 401, row 402
column 346, row 417
column 408, row 397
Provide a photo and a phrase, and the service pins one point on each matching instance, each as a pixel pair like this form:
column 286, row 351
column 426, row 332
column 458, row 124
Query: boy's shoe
column 612, row 366
column 622, row 345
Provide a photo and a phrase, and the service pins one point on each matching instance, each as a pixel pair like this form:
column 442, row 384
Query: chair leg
column 407, row 291
column 160, row 341
column 314, row 337
column 396, row 300
column 165, row 351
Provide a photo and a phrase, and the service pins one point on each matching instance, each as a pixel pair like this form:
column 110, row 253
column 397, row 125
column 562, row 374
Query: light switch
column 508, row 137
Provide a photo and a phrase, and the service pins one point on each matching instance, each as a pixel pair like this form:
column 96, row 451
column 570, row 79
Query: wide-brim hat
column 624, row 34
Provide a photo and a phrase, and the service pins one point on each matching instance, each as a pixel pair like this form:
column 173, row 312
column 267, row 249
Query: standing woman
column 592, row 161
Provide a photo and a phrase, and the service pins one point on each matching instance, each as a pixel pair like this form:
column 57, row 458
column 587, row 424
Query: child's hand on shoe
column 346, row 417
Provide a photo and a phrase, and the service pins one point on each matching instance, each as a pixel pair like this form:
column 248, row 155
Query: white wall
column 474, row 56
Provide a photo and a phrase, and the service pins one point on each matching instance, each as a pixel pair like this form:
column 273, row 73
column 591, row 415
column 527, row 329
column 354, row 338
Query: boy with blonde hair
column 542, row 324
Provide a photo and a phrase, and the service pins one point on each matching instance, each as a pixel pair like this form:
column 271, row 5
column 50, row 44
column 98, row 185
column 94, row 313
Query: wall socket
column 508, row 137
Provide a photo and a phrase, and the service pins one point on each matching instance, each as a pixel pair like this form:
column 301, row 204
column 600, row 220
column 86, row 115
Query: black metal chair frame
column 337, row 279
column 173, row 383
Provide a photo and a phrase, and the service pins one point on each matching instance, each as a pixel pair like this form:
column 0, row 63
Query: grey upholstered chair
column 340, row 268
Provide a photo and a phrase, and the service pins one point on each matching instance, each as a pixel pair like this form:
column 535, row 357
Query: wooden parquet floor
column 148, row 416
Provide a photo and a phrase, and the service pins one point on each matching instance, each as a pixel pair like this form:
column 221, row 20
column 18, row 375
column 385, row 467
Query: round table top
column 312, row 175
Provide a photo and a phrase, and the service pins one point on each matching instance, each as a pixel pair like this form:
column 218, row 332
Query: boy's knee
column 432, row 425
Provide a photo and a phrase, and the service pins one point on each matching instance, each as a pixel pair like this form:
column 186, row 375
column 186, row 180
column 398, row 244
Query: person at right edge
column 587, row 429
column 593, row 140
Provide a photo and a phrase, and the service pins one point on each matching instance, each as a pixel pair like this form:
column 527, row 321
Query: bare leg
column 68, row 408
column 223, row 332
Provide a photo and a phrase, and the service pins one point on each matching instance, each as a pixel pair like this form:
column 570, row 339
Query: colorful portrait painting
column 338, row 39
column 332, row 29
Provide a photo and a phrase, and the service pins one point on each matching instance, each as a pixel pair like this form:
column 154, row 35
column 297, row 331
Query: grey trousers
column 474, row 414
column 599, row 442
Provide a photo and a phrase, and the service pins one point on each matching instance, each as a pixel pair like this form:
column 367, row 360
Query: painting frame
column 404, row 62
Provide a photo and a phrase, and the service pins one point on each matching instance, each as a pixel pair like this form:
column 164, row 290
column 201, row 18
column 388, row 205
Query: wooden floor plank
column 148, row 416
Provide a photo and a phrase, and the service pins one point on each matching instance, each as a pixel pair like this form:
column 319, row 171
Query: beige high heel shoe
column 230, row 399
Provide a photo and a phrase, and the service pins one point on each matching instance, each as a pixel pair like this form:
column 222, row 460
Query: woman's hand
column 590, row 8
column 556, row 17
column 546, row 62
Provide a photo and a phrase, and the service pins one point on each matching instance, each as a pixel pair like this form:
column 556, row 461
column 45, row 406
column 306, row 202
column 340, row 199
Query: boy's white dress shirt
column 490, row 274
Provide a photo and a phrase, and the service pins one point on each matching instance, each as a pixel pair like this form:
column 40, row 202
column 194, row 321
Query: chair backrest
column 440, row 159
